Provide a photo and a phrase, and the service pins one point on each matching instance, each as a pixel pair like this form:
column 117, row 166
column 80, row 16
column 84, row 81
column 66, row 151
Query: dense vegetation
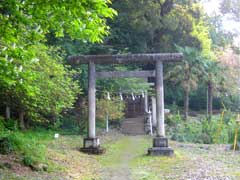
column 39, row 89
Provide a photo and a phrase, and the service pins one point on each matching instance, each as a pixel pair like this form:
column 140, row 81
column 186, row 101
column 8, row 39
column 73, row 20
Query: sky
column 212, row 6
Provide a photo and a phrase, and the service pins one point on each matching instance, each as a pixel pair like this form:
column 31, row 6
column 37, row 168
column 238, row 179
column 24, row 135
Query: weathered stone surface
column 93, row 150
column 126, row 58
column 160, row 142
column 91, row 142
column 160, row 147
column 92, row 146
column 160, row 151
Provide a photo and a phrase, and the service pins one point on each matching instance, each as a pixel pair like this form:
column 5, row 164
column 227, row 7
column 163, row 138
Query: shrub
column 70, row 124
column 11, row 124
column 218, row 130
column 2, row 127
column 6, row 145
column 30, row 144
column 28, row 161
column 114, row 108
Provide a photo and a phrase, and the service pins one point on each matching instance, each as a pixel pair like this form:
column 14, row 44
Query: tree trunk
column 8, row 112
column 186, row 103
column 210, row 99
column 21, row 119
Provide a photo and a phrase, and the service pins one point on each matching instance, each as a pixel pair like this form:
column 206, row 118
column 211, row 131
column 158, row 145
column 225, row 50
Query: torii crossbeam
column 160, row 142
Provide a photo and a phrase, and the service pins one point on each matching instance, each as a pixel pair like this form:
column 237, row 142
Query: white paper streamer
column 108, row 96
column 133, row 97
column 121, row 97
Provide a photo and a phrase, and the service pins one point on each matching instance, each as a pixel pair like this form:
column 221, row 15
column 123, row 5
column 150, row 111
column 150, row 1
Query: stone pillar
column 146, row 101
column 160, row 142
column 91, row 144
column 160, row 99
column 91, row 99
column 154, row 116
column 8, row 112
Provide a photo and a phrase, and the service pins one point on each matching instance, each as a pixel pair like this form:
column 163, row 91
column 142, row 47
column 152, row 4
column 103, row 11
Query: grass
column 31, row 144
column 114, row 152
column 10, row 176
column 153, row 168
column 123, row 153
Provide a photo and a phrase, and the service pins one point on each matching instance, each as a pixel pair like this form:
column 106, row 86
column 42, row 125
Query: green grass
column 114, row 152
column 9, row 176
column 31, row 144
column 142, row 166
column 150, row 166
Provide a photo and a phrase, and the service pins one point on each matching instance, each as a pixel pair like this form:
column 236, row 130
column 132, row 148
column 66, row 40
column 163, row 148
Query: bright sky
column 212, row 6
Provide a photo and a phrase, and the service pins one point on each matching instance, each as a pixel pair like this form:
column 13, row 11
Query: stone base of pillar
column 160, row 147
column 92, row 146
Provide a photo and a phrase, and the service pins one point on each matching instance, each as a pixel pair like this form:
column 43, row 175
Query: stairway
column 133, row 126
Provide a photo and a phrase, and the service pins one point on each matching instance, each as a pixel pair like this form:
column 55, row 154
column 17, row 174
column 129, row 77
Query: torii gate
column 91, row 143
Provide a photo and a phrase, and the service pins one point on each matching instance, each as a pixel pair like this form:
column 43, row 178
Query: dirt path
column 126, row 159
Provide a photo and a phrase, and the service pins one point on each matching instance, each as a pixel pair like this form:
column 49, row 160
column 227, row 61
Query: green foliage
column 114, row 108
column 40, row 85
column 6, row 146
column 220, row 37
column 33, row 77
column 68, row 124
column 28, row 161
column 154, row 26
column 33, row 19
column 11, row 124
column 200, row 130
column 191, row 70
column 31, row 145
column 2, row 127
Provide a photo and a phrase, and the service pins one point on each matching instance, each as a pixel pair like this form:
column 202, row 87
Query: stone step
column 133, row 126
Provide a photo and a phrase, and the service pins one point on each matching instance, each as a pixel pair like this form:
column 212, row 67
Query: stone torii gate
column 91, row 143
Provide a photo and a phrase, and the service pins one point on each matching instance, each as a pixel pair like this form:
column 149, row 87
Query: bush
column 183, row 131
column 70, row 125
column 2, row 127
column 11, row 124
column 6, row 145
column 28, row 161
column 218, row 130
column 114, row 108
column 30, row 144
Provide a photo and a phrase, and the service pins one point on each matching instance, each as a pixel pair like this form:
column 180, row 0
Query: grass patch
column 114, row 152
column 154, row 168
column 9, row 176
column 31, row 145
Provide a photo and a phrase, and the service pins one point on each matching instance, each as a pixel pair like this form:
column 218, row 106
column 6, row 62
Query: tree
column 154, row 26
column 33, row 79
column 219, row 36
column 187, row 73
column 213, row 78
column 230, row 87
column 232, row 8
column 40, row 88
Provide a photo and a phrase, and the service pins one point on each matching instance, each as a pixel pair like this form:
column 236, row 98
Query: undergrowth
column 30, row 144
column 219, row 130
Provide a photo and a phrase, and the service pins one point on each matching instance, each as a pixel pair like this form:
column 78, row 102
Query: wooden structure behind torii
column 160, row 143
